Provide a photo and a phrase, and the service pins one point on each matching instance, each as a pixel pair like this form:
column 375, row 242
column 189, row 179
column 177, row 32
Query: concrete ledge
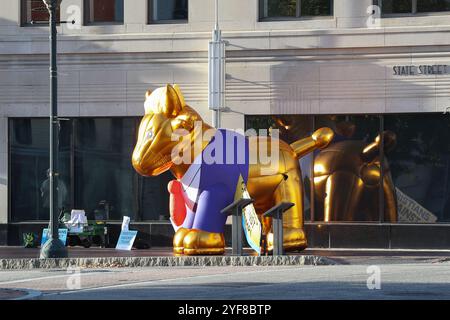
column 136, row 262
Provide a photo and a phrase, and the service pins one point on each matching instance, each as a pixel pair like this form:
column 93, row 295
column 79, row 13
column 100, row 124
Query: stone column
column 352, row 13
column 135, row 15
column 9, row 16
column 72, row 10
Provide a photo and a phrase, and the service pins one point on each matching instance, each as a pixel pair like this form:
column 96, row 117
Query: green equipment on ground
column 84, row 234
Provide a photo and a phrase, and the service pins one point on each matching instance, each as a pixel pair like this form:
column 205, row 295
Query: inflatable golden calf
column 204, row 187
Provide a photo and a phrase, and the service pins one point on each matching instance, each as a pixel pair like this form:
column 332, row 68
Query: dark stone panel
column 420, row 237
column 317, row 235
column 161, row 234
column 143, row 238
column 16, row 231
column 359, row 236
column 227, row 235
column 113, row 234
column 3, row 234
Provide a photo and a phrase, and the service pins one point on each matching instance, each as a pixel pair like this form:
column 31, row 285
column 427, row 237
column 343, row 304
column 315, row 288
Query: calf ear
column 390, row 141
column 148, row 94
column 172, row 106
column 183, row 122
column 372, row 151
column 180, row 95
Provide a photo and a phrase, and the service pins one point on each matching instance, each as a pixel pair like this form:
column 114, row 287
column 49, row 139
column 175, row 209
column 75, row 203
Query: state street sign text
column 435, row 69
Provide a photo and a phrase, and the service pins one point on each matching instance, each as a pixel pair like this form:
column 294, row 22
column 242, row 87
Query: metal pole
column 217, row 15
column 237, row 232
column 53, row 248
column 53, row 124
column 216, row 113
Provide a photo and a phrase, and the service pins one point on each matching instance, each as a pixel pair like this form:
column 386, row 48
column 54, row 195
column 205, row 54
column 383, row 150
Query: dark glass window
column 153, row 197
column 168, row 11
column 316, row 8
column 295, row 8
column 103, row 11
column 414, row 165
column 29, row 152
column 396, row 6
column 95, row 171
column 102, row 165
column 338, row 168
column 35, row 10
column 420, row 166
column 433, row 5
column 412, row 6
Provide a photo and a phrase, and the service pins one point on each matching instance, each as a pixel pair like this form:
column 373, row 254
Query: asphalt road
column 397, row 281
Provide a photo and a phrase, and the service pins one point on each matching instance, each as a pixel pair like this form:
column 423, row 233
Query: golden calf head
column 165, row 113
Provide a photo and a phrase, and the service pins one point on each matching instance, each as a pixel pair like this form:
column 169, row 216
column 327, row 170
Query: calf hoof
column 178, row 238
column 198, row 242
column 294, row 239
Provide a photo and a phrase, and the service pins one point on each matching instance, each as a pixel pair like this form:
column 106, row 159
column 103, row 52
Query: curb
column 27, row 294
column 30, row 295
column 139, row 262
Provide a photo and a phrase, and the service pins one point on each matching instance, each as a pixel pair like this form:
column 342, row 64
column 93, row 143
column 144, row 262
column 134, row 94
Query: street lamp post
column 53, row 248
column 216, row 72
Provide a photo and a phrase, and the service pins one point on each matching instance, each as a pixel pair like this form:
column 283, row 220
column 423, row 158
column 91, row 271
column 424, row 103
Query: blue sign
column 62, row 236
column 126, row 240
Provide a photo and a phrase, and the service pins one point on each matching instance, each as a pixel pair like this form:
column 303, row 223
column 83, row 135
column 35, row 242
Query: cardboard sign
column 62, row 236
column 250, row 221
column 126, row 240
column 411, row 211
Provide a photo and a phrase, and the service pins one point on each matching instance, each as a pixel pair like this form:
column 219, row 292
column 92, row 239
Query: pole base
column 53, row 248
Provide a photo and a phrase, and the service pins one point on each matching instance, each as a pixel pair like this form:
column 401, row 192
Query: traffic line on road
column 133, row 284
column 49, row 277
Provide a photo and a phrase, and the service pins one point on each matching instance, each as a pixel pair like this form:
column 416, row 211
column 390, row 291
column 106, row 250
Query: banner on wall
column 250, row 222
column 411, row 211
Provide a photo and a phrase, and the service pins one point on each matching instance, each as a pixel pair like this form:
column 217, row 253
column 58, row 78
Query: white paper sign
column 126, row 240
column 411, row 211
column 125, row 223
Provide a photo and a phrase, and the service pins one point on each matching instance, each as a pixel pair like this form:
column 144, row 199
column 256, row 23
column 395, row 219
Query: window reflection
column 29, row 151
column 433, row 5
column 347, row 174
column 295, row 8
column 102, row 165
column 153, row 197
column 411, row 7
column 316, row 8
column 35, row 11
column 95, row 171
column 396, row 6
column 168, row 10
column 420, row 166
column 104, row 11
column 96, row 153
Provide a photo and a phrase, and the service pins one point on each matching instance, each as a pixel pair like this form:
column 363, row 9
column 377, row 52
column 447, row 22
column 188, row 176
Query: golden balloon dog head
column 165, row 112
